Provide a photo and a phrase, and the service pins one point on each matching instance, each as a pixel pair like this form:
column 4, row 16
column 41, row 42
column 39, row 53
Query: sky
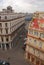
column 23, row 5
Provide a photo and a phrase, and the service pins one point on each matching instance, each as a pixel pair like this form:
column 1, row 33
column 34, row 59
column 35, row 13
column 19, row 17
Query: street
column 16, row 55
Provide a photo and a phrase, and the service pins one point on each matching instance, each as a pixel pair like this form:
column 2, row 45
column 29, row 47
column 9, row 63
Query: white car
column 4, row 62
column 25, row 39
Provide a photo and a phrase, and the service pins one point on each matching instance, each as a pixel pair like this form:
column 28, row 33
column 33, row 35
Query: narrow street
column 16, row 55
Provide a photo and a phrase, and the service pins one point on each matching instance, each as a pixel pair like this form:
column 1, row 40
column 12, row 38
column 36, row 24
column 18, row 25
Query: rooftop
column 38, row 24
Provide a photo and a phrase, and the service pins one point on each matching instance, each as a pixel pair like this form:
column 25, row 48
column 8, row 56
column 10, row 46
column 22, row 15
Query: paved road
column 16, row 55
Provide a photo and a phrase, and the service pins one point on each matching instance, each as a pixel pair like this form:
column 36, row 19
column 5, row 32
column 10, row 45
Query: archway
column 3, row 46
column 28, row 56
column 37, row 62
column 7, row 45
column 42, row 63
column 33, row 59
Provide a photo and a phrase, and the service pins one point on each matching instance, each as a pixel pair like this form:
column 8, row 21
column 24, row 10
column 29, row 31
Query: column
column 1, row 46
column 35, row 61
column 5, row 47
column 26, row 55
column 10, row 45
column 40, row 63
column 30, row 59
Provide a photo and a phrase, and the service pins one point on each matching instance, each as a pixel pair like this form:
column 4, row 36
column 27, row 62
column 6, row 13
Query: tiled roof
column 38, row 23
column 42, row 20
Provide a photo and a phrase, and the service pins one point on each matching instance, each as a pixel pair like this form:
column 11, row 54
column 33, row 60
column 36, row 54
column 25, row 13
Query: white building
column 10, row 24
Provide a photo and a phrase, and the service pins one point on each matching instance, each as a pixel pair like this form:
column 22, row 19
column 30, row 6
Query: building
column 35, row 41
column 28, row 18
column 11, row 25
column 40, row 14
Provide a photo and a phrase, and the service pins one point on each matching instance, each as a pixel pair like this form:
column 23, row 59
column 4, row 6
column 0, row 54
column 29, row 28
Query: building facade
column 10, row 25
column 35, row 41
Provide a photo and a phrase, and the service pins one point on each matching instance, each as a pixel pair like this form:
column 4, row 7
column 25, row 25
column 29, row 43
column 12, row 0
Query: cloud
column 23, row 5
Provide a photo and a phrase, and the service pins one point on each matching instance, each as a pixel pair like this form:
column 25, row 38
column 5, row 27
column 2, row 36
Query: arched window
column 7, row 39
column 6, row 31
column 2, row 39
column 5, row 17
column 6, row 24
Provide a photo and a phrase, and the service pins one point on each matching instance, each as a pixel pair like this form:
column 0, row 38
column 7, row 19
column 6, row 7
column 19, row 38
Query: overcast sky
column 23, row 5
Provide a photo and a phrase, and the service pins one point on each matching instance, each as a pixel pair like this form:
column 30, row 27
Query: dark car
column 4, row 62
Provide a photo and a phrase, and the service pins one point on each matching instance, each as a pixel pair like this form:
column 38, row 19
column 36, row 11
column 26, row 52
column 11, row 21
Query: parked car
column 25, row 39
column 4, row 62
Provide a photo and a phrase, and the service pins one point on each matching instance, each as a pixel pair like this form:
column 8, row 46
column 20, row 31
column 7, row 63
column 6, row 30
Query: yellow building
column 35, row 41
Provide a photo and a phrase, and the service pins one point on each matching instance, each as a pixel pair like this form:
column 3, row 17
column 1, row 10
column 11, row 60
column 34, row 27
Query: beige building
column 39, row 14
column 35, row 41
column 10, row 25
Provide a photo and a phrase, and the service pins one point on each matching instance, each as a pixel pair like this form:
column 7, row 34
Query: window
column 42, row 35
column 11, row 37
column 38, row 53
column 35, row 33
column 2, row 39
column 7, row 39
column 33, row 50
column 1, row 30
column 0, row 24
column 5, row 17
column 5, row 24
column 40, row 44
column 35, row 40
column 31, row 31
column 30, row 40
column 7, row 31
